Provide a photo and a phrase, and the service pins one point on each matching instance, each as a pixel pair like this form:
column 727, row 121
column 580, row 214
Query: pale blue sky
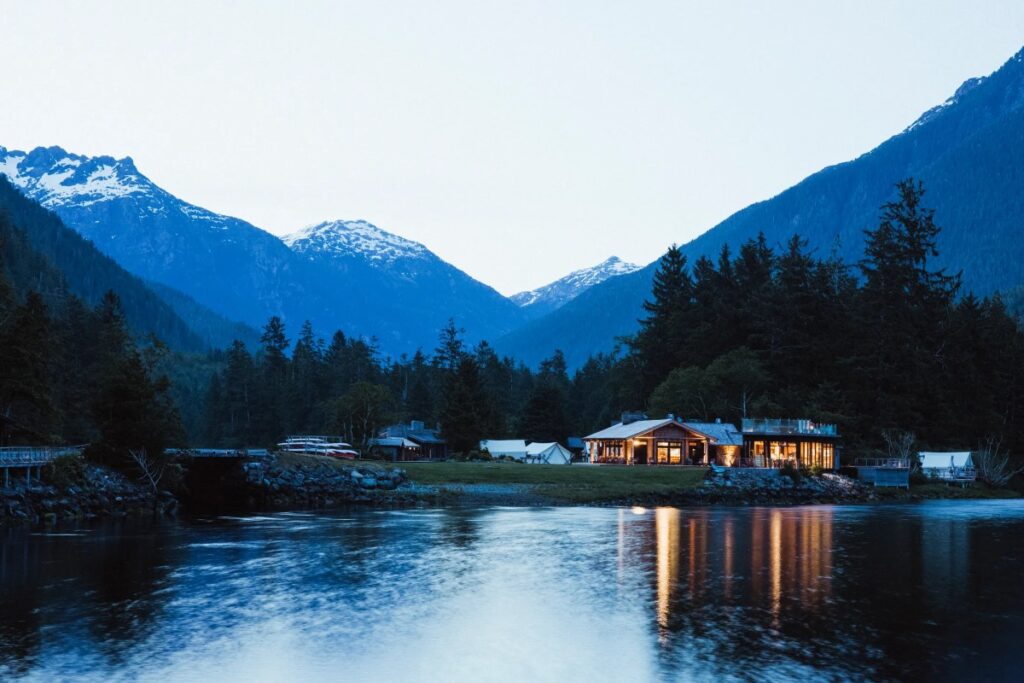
column 518, row 140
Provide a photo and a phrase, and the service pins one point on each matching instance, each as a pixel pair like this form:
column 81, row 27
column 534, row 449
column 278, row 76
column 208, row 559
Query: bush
column 789, row 469
column 815, row 471
column 65, row 471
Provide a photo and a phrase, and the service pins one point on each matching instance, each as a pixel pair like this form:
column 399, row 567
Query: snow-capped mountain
column 378, row 264
column 346, row 275
column 560, row 292
column 355, row 239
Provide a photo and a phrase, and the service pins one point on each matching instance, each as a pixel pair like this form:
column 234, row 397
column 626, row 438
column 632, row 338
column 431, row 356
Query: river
column 896, row 592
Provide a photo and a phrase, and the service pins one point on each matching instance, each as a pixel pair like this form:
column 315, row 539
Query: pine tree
column 270, row 425
column 240, row 396
column 466, row 407
column 658, row 344
column 26, row 379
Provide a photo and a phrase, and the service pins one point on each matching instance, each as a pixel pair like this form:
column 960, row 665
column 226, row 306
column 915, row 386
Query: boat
column 331, row 446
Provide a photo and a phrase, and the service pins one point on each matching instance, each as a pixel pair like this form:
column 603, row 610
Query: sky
column 517, row 140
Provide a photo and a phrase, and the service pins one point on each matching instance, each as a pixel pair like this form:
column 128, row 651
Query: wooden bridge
column 31, row 458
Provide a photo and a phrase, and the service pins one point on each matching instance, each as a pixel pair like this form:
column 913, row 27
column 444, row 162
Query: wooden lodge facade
column 664, row 442
column 671, row 441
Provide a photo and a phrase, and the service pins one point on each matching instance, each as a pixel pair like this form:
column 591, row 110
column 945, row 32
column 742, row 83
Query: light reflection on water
column 559, row 594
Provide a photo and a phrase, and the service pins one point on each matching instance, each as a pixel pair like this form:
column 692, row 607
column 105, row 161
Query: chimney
column 718, row 420
column 631, row 416
column 670, row 416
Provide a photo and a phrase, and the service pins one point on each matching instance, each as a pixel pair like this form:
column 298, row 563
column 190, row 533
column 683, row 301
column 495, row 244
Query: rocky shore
column 92, row 492
column 81, row 490
column 313, row 483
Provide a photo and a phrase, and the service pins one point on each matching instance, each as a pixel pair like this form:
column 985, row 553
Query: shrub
column 789, row 469
column 65, row 471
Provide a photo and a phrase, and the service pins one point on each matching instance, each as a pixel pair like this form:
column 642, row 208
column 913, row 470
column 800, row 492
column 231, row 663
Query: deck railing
column 888, row 463
column 32, row 456
column 781, row 426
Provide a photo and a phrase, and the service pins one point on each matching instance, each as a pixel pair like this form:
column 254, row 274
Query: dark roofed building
column 432, row 446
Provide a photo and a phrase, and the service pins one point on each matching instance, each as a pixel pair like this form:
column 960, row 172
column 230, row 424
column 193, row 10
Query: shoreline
column 304, row 483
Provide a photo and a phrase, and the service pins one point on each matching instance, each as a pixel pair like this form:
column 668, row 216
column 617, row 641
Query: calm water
column 931, row 591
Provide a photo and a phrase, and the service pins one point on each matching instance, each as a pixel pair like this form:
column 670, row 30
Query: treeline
column 345, row 387
column 888, row 344
column 774, row 331
column 75, row 375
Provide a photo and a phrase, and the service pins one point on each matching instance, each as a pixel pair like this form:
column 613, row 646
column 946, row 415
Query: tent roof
column 504, row 445
column 538, row 448
column 938, row 459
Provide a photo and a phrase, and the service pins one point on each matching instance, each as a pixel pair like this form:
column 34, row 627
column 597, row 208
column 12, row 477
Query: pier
column 32, row 458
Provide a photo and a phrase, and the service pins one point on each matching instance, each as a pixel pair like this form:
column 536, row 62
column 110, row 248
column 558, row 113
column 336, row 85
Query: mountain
column 407, row 285
column 545, row 299
column 361, row 284
column 967, row 152
column 40, row 253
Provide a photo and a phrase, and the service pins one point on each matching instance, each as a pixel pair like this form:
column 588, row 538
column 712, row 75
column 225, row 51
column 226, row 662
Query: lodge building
column 669, row 441
column 637, row 440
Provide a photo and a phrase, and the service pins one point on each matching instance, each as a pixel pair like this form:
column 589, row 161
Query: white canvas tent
column 548, row 453
column 953, row 465
column 509, row 448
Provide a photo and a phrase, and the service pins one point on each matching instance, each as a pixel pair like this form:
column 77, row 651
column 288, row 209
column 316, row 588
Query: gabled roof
column 631, row 429
column 932, row 459
column 721, row 433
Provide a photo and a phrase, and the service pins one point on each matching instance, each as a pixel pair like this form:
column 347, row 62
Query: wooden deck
column 31, row 458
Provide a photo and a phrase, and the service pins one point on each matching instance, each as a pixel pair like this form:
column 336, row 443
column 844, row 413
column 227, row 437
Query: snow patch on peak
column 564, row 290
column 354, row 238
column 930, row 115
column 56, row 178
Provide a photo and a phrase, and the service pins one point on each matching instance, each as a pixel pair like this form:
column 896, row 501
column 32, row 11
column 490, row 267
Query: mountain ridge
column 963, row 150
column 556, row 294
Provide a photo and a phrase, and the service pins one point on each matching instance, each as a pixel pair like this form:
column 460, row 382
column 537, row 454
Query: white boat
column 331, row 446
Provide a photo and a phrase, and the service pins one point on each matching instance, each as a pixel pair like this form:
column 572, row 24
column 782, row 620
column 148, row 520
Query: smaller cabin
column 514, row 449
column 956, row 466
column 432, row 445
column 396, row 449
column 548, row 454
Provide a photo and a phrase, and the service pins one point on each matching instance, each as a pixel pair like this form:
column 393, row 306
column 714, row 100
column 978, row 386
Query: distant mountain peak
column 54, row 177
column 565, row 289
column 354, row 238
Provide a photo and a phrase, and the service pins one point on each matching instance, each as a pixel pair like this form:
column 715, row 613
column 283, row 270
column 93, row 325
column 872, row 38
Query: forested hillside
column 43, row 255
column 966, row 151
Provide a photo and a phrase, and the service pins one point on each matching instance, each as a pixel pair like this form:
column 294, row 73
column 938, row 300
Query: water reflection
column 790, row 558
column 819, row 593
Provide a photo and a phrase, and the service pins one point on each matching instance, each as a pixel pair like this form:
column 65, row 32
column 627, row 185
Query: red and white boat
column 331, row 446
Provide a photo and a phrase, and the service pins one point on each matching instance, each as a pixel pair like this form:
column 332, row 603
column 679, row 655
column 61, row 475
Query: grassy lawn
column 575, row 483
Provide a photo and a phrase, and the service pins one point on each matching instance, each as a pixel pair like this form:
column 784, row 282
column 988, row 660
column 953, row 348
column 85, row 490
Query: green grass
column 574, row 483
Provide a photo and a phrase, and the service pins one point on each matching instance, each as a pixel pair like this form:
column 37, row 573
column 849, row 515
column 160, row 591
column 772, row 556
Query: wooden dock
column 32, row 458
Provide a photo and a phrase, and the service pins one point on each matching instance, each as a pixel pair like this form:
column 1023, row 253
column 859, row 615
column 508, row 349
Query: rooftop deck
column 789, row 427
